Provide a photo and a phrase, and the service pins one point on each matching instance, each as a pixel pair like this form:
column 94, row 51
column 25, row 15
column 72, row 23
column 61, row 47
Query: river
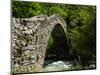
column 60, row 65
column 63, row 65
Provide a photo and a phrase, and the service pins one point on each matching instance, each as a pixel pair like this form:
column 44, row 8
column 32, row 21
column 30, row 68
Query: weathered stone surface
column 29, row 41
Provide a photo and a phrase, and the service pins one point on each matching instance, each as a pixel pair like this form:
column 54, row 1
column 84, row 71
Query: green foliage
column 50, row 47
column 84, row 36
column 29, row 9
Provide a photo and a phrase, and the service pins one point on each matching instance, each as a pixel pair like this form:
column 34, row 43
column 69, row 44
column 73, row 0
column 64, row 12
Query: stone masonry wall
column 29, row 41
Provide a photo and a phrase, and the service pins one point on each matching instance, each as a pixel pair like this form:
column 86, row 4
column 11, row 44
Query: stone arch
column 53, row 21
column 31, row 35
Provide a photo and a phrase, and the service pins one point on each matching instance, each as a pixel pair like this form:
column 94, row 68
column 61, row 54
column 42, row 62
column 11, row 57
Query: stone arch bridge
column 30, row 39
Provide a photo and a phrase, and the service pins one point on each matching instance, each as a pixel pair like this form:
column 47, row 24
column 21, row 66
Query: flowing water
column 60, row 65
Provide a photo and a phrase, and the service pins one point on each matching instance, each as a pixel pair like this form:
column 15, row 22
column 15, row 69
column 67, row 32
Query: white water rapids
column 57, row 65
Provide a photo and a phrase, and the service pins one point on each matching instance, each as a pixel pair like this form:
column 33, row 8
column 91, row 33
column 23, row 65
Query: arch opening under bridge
column 57, row 47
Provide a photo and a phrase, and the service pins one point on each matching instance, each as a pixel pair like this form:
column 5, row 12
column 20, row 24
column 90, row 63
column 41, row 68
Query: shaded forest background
column 81, row 24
